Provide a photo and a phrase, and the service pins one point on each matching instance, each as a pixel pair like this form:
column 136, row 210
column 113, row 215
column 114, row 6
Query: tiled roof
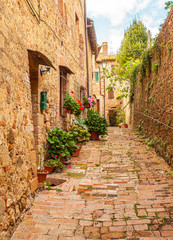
column 92, row 35
column 110, row 57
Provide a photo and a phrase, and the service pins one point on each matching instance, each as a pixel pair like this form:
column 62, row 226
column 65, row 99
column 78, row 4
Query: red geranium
column 79, row 102
column 81, row 108
column 72, row 92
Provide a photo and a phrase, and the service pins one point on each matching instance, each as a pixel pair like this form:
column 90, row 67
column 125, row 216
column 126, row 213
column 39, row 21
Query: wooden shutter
column 97, row 76
column 111, row 94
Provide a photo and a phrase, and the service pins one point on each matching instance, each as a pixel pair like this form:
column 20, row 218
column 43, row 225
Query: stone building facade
column 42, row 53
column 106, row 101
column 153, row 99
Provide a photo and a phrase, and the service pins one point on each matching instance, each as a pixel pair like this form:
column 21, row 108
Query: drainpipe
column 86, row 41
column 103, row 95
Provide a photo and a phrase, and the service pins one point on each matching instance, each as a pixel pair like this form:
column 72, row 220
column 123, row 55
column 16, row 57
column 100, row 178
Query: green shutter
column 97, row 76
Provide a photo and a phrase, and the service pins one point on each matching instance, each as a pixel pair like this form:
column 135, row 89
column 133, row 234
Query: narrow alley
column 117, row 189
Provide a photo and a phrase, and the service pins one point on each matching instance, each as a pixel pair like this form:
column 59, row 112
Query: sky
column 112, row 17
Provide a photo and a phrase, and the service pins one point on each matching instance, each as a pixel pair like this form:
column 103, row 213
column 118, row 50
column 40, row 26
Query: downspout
column 86, row 41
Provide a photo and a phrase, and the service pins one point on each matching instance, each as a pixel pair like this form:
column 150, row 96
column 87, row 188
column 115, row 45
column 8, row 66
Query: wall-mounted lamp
column 44, row 71
column 104, row 64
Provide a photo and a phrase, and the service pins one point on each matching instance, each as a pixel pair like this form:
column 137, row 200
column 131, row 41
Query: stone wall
column 153, row 101
column 59, row 39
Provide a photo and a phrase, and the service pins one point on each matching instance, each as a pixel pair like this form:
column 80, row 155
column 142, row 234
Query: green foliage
column 97, row 123
column 81, row 134
column 155, row 67
column 168, row 5
column 151, row 99
column 134, row 42
column 54, row 163
column 120, row 118
column 151, row 143
column 129, row 62
column 61, row 142
column 70, row 103
column 169, row 122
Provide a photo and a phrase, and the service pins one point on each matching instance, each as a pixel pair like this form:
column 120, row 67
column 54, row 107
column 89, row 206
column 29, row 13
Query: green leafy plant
column 75, row 106
column 61, row 144
column 80, row 134
column 69, row 102
column 155, row 67
column 96, row 123
column 90, row 101
column 54, row 163
column 120, row 118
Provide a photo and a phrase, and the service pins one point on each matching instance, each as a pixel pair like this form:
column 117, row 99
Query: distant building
column 107, row 101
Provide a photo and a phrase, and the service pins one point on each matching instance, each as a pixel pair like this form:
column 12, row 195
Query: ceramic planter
column 42, row 176
column 94, row 135
column 49, row 169
column 86, row 105
column 124, row 125
column 69, row 111
column 76, row 153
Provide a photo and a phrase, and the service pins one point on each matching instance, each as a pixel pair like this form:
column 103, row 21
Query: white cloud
column 115, row 38
column 122, row 12
column 114, row 10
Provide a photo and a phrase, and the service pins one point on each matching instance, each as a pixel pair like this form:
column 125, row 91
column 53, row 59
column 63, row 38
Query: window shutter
column 97, row 76
column 111, row 94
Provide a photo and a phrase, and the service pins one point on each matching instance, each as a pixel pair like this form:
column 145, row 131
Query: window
column 82, row 93
column 63, row 85
column 111, row 94
column 97, row 76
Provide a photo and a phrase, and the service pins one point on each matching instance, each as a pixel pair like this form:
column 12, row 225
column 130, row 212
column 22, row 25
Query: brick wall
column 153, row 102
column 23, row 126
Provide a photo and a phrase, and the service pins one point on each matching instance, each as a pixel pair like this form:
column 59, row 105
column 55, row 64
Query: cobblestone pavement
column 116, row 189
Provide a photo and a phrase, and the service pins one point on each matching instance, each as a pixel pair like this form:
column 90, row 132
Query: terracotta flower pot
column 86, row 105
column 49, row 169
column 76, row 153
column 94, row 135
column 69, row 111
column 42, row 176
column 124, row 125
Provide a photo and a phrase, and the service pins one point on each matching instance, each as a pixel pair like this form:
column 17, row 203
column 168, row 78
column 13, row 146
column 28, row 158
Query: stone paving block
column 110, row 201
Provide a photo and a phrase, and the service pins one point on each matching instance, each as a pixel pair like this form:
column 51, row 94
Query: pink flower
column 61, row 155
column 56, row 156
column 69, row 166
column 64, row 162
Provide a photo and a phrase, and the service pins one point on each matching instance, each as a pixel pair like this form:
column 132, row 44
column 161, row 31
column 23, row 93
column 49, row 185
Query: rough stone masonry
column 27, row 43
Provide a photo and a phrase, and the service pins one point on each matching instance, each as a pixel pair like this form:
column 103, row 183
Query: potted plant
column 41, row 172
column 77, row 108
column 69, row 103
column 60, row 143
column 97, row 125
column 120, row 118
column 88, row 102
column 81, row 135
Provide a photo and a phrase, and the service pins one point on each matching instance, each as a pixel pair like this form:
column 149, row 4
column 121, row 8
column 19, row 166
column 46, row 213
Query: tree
column 134, row 42
column 129, row 59
column 169, row 5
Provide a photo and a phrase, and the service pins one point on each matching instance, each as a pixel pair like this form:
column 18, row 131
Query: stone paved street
column 116, row 189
